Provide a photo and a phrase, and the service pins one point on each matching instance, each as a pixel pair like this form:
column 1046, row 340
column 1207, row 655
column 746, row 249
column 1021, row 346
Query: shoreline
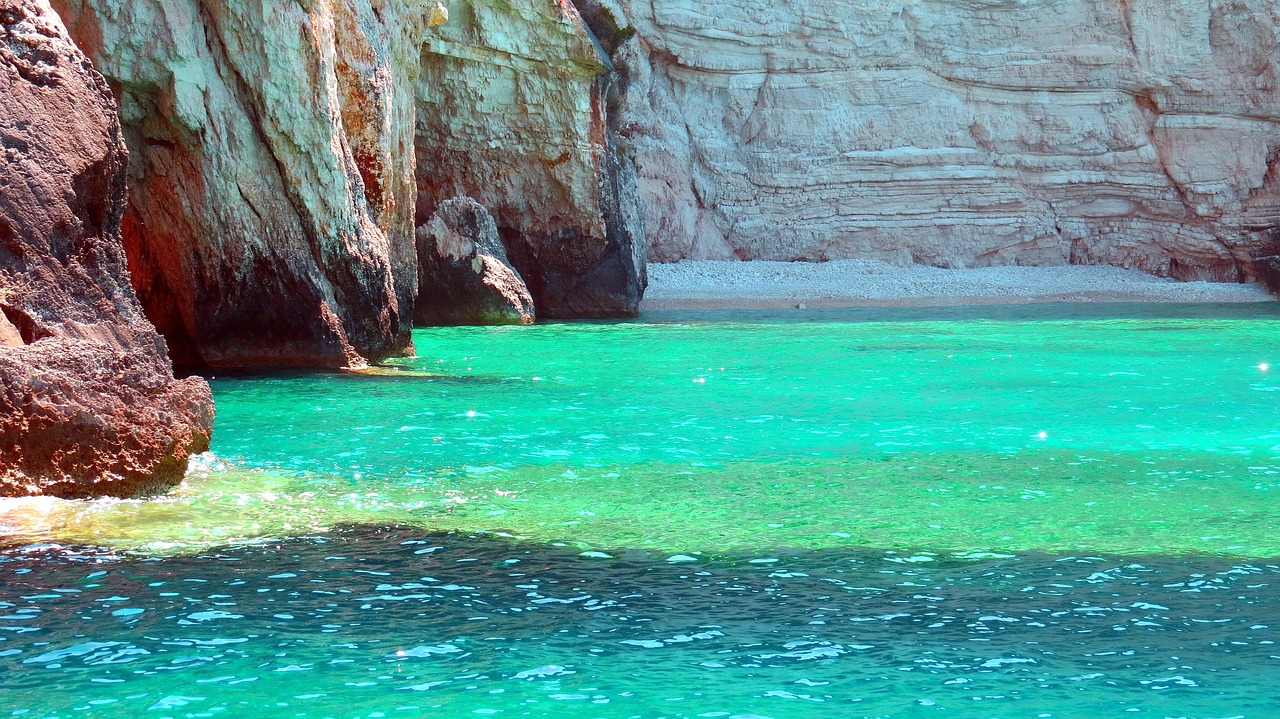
column 762, row 285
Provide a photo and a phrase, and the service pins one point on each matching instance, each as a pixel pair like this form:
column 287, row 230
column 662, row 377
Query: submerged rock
column 271, row 213
column 88, row 401
column 464, row 277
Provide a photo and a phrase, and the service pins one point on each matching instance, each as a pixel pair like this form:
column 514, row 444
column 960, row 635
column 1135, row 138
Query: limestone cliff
column 274, row 197
column 512, row 112
column 271, row 204
column 1141, row 133
column 88, row 401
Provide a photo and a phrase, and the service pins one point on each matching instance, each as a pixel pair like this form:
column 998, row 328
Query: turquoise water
column 1001, row 512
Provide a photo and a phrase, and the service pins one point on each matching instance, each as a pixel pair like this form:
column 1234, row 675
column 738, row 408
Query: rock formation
column 1267, row 264
column 512, row 112
column 1268, row 271
column 463, row 271
column 1141, row 133
column 88, row 401
column 273, row 199
column 271, row 213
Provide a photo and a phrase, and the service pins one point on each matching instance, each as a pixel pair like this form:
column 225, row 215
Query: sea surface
column 1005, row 512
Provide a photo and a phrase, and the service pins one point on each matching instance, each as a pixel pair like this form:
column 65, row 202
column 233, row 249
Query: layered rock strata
column 463, row 270
column 272, row 192
column 88, row 401
column 512, row 111
column 1140, row 133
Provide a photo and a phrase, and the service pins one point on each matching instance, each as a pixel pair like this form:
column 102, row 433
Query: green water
column 769, row 514
column 1116, row 435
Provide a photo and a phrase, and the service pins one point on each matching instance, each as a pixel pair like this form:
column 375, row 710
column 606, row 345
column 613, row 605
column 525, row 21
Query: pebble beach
column 720, row 284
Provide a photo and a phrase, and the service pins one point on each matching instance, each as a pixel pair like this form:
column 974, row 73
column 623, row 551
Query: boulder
column 464, row 277
column 88, row 401
column 1268, row 271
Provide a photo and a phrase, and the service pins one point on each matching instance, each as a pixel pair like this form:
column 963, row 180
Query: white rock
column 958, row 134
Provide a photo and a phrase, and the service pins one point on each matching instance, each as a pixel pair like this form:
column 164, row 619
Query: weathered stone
column 1268, row 270
column 88, row 402
column 1141, row 133
column 1267, row 264
column 464, row 277
column 512, row 112
column 271, row 218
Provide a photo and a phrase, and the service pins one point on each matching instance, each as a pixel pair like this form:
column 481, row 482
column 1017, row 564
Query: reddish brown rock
column 88, row 402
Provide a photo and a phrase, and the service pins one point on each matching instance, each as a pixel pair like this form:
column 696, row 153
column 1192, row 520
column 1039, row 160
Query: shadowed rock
column 1266, row 265
column 464, row 277
column 88, row 402
column 1268, row 270
column 272, row 195
column 513, row 110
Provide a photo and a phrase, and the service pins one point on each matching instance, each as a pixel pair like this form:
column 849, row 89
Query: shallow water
column 994, row 512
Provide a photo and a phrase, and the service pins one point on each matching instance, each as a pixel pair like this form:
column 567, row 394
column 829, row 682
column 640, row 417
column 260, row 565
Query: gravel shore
column 713, row 284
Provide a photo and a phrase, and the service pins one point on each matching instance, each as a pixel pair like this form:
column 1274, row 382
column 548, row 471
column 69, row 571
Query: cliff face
column 512, row 112
column 271, row 204
column 1142, row 133
column 88, row 401
column 273, row 189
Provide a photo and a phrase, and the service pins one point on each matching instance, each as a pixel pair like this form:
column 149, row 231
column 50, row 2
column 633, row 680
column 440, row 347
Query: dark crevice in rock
column 607, row 28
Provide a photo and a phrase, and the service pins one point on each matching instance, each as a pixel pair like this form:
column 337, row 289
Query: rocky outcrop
column 88, row 401
column 463, row 271
column 512, row 111
column 1141, row 133
column 272, row 193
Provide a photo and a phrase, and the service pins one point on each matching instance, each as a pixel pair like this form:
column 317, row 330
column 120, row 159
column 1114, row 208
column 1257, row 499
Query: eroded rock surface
column 1141, row 133
column 512, row 112
column 271, row 216
column 1268, row 270
column 1267, row 264
column 88, row 402
column 464, row 273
